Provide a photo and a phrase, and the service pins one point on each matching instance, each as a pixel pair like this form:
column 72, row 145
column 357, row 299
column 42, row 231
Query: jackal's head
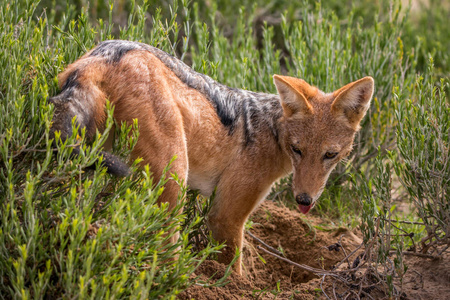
column 318, row 129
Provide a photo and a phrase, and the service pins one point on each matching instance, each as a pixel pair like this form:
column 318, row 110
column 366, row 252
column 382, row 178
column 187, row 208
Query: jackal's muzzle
column 304, row 202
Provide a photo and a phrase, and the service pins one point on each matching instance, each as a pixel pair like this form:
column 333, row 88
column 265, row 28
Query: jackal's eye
column 296, row 150
column 330, row 155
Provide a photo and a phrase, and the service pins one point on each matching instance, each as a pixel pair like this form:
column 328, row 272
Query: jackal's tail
column 84, row 100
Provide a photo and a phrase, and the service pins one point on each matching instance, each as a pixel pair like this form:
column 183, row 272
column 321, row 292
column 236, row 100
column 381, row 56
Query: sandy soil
column 305, row 240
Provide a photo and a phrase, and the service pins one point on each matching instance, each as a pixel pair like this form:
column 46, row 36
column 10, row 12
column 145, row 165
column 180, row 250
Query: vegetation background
column 67, row 231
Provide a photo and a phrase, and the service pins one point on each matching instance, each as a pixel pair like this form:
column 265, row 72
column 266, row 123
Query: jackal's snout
column 304, row 202
column 303, row 199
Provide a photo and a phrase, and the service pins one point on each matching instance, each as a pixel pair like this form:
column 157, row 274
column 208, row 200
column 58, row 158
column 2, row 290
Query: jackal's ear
column 294, row 93
column 353, row 100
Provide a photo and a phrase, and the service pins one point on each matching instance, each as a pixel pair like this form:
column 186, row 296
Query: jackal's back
column 234, row 107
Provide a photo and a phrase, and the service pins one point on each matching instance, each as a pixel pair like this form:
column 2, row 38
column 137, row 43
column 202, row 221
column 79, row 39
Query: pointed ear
column 353, row 100
column 292, row 95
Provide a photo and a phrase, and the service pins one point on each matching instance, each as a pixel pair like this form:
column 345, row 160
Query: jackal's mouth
column 305, row 208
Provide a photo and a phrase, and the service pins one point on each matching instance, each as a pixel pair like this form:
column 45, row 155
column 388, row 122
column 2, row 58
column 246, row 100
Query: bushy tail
column 87, row 103
column 112, row 163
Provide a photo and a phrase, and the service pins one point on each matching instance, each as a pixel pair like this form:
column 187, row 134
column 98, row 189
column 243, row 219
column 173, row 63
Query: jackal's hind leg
column 157, row 153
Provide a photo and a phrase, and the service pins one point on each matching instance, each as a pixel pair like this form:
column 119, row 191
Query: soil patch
column 305, row 240
column 427, row 279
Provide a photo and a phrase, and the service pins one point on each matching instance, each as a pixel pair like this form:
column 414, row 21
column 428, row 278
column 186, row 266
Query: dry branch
column 261, row 242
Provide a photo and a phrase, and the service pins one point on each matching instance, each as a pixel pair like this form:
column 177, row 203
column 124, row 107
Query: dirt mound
column 305, row 240
column 299, row 238
column 265, row 276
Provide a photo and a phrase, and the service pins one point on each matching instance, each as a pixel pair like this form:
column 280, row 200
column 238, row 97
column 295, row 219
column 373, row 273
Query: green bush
column 66, row 231
column 423, row 165
column 383, row 244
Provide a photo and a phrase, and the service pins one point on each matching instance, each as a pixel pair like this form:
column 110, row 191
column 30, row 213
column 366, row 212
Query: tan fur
column 177, row 120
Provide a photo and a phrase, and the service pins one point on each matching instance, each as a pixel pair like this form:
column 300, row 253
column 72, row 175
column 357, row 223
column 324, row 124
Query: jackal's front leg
column 233, row 204
column 227, row 227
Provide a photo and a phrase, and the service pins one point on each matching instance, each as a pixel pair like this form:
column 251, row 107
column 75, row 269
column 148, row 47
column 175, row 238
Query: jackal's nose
column 303, row 199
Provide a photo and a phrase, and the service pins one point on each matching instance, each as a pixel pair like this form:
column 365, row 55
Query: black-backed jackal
column 236, row 140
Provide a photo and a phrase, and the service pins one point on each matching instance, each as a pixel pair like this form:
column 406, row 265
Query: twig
column 334, row 289
column 345, row 253
column 308, row 268
column 443, row 250
column 348, row 256
column 373, row 154
column 34, row 150
column 356, row 294
column 415, row 254
column 265, row 245
column 367, row 295
column 321, row 287
column 405, row 222
column 368, row 253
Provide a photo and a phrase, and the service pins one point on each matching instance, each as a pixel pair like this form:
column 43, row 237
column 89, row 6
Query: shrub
column 66, row 231
column 423, row 164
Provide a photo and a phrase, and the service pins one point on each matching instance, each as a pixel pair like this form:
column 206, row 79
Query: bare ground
column 306, row 240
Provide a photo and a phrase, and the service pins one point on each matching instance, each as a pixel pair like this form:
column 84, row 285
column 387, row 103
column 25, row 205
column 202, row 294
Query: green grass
column 66, row 231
